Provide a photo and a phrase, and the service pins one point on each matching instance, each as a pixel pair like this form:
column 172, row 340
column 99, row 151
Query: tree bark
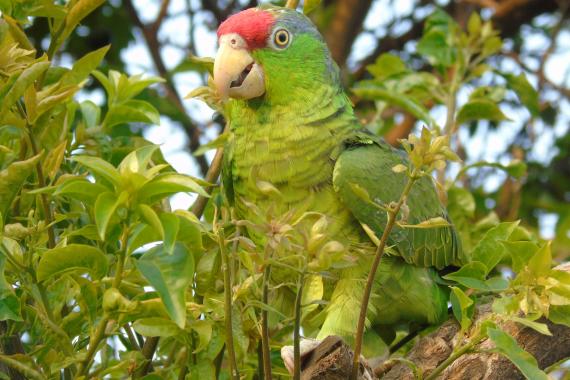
column 434, row 348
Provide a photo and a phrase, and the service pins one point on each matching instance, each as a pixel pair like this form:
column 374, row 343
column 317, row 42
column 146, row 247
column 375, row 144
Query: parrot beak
column 236, row 74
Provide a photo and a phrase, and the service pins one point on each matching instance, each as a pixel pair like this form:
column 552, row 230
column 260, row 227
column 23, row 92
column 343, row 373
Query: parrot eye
column 281, row 38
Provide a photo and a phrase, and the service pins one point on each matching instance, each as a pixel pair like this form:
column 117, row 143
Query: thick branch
column 346, row 23
column 436, row 347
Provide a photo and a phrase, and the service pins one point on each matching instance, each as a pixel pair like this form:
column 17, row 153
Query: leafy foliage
column 91, row 253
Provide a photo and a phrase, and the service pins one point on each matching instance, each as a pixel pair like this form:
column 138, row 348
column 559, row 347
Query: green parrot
column 293, row 126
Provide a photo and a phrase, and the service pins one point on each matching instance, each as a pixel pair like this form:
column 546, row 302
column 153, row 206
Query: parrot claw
column 313, row 351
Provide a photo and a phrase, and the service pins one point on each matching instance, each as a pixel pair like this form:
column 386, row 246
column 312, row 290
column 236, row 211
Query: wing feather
column 367, row 163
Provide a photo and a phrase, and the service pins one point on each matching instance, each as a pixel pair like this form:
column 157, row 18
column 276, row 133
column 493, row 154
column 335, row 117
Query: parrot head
column 268, row 52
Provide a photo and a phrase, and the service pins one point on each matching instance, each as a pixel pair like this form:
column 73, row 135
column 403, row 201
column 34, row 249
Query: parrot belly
column 301, row 182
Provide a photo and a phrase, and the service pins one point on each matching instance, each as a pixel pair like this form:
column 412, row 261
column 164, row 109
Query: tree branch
column 432, row 350
column 151, row 38
column 346, row 23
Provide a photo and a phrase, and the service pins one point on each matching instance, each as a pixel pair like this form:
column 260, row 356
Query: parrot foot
column 329, row 358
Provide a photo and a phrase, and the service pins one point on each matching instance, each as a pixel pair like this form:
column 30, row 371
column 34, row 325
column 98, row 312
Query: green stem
column 11, row 258
column 100, row 331
column 41, row 181
column 264, row 323
column 392, row 213
column 21, row 367
column 228, row 306
column 292, row 4
column 297, row 330
column 131, row 336
column 454, row 356
column 93, row 344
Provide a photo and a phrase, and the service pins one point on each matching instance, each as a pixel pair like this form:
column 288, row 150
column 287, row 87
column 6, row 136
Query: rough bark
column 434, row 348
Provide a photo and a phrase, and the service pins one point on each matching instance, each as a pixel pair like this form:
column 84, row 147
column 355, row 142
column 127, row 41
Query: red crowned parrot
column 293, row 126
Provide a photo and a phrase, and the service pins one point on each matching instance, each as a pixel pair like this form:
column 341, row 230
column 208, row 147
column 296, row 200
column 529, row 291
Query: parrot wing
column 366, row 164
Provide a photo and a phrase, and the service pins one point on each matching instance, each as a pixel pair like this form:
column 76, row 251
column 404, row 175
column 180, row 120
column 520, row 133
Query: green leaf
column 138, row 160
column 473, row 275
column 25, row 80
column 170, row 225
column 142, row 234
column 99, row 167
column 489, row 249
column 437, row 43
column 480, row 109
column 202, row 370
column 491, row 46
column 461, row 202
column 313, row 292
column 462, row 306
column 474, row 24
column 54, row 159
column 525, row 92
column 91, row 113
column 387, row 65
column 540, row 327
column 204, row 330
column 9, row 302
column 515, row 168
column 190, row 230
column 84, row 66
column 560, row 314
column 78, row 12
column 74, row 257
column 434, row 46
column 106, row 83
column 407, row 103
column 520, row 252
column 105, row 207
column 170, row 275
column 194, row 63
column 12, row 179
column 495, row 94
column 88, row 301
column 218, row 142
column 156, row 327
column 130, row 87
column 207, row 271
column 508, row 347
column 131, row 111
column 81, row 189
column 541, row 262
column 151, row 218
column 167, row 184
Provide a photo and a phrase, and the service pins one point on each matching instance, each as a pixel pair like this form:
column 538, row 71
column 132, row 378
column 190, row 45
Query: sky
column 487, row 144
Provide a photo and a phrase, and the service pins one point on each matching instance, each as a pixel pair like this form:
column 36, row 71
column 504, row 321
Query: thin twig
column 21, row 367
column 211, row 177
column 293, row 4
column 234, row 372
column 297, row 330
column 454, row 356
column 161, row 15
column 131, row 336
column 393, row 211
column 99, row 334
column 264, row 322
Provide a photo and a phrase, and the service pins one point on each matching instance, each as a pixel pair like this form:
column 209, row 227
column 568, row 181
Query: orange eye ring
column 281, row 38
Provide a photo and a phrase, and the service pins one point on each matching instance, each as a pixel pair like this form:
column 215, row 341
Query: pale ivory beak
column 236, row 74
